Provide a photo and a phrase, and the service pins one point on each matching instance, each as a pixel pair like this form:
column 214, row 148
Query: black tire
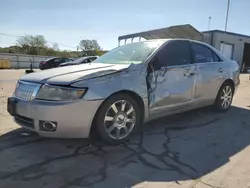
column 218, row 104
column 100, row 125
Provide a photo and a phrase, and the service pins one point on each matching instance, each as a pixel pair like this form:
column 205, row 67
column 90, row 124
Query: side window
column 85, row 61
column 51, row 61
column 68, row 60
column 57, row 60
column 63, row 60
column 174, row 53
column 216, row 58
column 202, row 54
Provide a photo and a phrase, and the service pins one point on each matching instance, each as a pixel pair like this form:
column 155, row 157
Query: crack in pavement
column 161, row 157
column 22, row 143
column 197, row 181
column 101, row 174
column 96, row 177
column 35, row 167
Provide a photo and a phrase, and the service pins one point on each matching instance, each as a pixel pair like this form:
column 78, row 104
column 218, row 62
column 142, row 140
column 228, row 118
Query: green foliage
column 37, row 45
column 33, row 41
column 32, row 44
column 89, row 45
column 100, row 52
column 56, row 47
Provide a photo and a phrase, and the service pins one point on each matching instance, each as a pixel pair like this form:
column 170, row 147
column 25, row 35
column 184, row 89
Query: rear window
column 202, row 54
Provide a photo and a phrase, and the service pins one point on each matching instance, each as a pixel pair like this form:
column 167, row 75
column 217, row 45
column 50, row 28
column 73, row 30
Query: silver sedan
column 126, row 87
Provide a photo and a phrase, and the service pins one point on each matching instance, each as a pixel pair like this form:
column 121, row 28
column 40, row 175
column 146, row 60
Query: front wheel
column 224, row 98
column 117, row 119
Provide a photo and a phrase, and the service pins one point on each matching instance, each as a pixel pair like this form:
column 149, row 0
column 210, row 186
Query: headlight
column 54, row 93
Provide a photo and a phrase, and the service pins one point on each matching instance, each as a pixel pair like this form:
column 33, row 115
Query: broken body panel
column 166, row 91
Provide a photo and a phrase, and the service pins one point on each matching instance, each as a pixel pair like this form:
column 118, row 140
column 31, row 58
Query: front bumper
column 73, row 119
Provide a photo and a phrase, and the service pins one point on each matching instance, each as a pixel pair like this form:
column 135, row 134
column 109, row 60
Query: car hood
column 67, row 75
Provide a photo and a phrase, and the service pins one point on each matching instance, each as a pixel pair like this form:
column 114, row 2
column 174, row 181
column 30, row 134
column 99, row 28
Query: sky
column 68, row 21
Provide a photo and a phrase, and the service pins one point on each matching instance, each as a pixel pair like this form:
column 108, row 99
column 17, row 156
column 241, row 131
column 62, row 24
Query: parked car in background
column 79, row 61
column 130, row 85
column 246, row 69
column 53, row 62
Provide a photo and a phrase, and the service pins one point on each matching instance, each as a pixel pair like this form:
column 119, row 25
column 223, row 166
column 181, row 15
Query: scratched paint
column 157, row 91
column 162, row 91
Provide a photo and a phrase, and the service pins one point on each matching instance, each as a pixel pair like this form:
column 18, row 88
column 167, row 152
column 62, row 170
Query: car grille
column 24, row 121
column 26, row 91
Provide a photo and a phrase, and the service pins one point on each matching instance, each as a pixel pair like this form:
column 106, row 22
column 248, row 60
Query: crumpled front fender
column 133, row 79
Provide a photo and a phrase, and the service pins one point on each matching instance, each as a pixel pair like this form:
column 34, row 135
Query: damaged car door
column 171, row 78
column 211, row 73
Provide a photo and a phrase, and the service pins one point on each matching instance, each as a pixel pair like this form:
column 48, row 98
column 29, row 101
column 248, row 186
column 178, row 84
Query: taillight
column 43, row 62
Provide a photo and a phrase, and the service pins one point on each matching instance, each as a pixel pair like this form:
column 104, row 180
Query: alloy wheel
column 120, row 119
column 226, row 97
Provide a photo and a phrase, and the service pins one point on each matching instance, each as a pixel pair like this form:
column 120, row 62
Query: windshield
column 50, row 58
column 131, row 53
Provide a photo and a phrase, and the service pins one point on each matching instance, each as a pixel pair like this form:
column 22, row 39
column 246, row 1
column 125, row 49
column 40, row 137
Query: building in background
column 234, row 46
column 186, row 31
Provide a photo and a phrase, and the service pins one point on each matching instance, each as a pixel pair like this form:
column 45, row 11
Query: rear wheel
column 117, row 118
column 224, row 98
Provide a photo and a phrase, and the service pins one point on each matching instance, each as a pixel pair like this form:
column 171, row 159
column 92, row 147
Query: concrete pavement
column 197, row 149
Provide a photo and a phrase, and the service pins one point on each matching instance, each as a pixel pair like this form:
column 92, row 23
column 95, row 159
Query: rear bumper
column 73, row 119
column 43, row 66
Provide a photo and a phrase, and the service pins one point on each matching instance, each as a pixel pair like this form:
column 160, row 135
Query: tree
column 50, row 52
column 89, row 45
column 36, row 45
column 32, row 44
column 33, row 41
column 56, row 47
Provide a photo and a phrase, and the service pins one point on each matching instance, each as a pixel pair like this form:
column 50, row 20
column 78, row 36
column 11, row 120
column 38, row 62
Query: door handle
column 220, row 70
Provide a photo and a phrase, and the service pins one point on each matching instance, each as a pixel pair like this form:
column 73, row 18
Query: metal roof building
column 232, row 45
column 178, row 31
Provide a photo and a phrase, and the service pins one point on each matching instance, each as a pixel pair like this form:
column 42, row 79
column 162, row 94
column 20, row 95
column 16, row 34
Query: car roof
column 205, row 44
column 56, row 58
column 173, row 39
column 88, row 56
column 189, row 40
column 177, row 39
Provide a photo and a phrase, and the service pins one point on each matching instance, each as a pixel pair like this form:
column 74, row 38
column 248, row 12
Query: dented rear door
column 172, row 82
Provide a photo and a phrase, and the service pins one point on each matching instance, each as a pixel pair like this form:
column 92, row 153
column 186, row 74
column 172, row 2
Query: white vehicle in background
column 79, row 61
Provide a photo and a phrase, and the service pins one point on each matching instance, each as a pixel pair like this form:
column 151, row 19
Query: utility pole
column 209, row 22
column 228, row 6
column 37, row 43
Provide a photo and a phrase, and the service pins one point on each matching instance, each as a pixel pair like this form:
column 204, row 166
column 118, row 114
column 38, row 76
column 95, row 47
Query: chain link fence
column 22, row 61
